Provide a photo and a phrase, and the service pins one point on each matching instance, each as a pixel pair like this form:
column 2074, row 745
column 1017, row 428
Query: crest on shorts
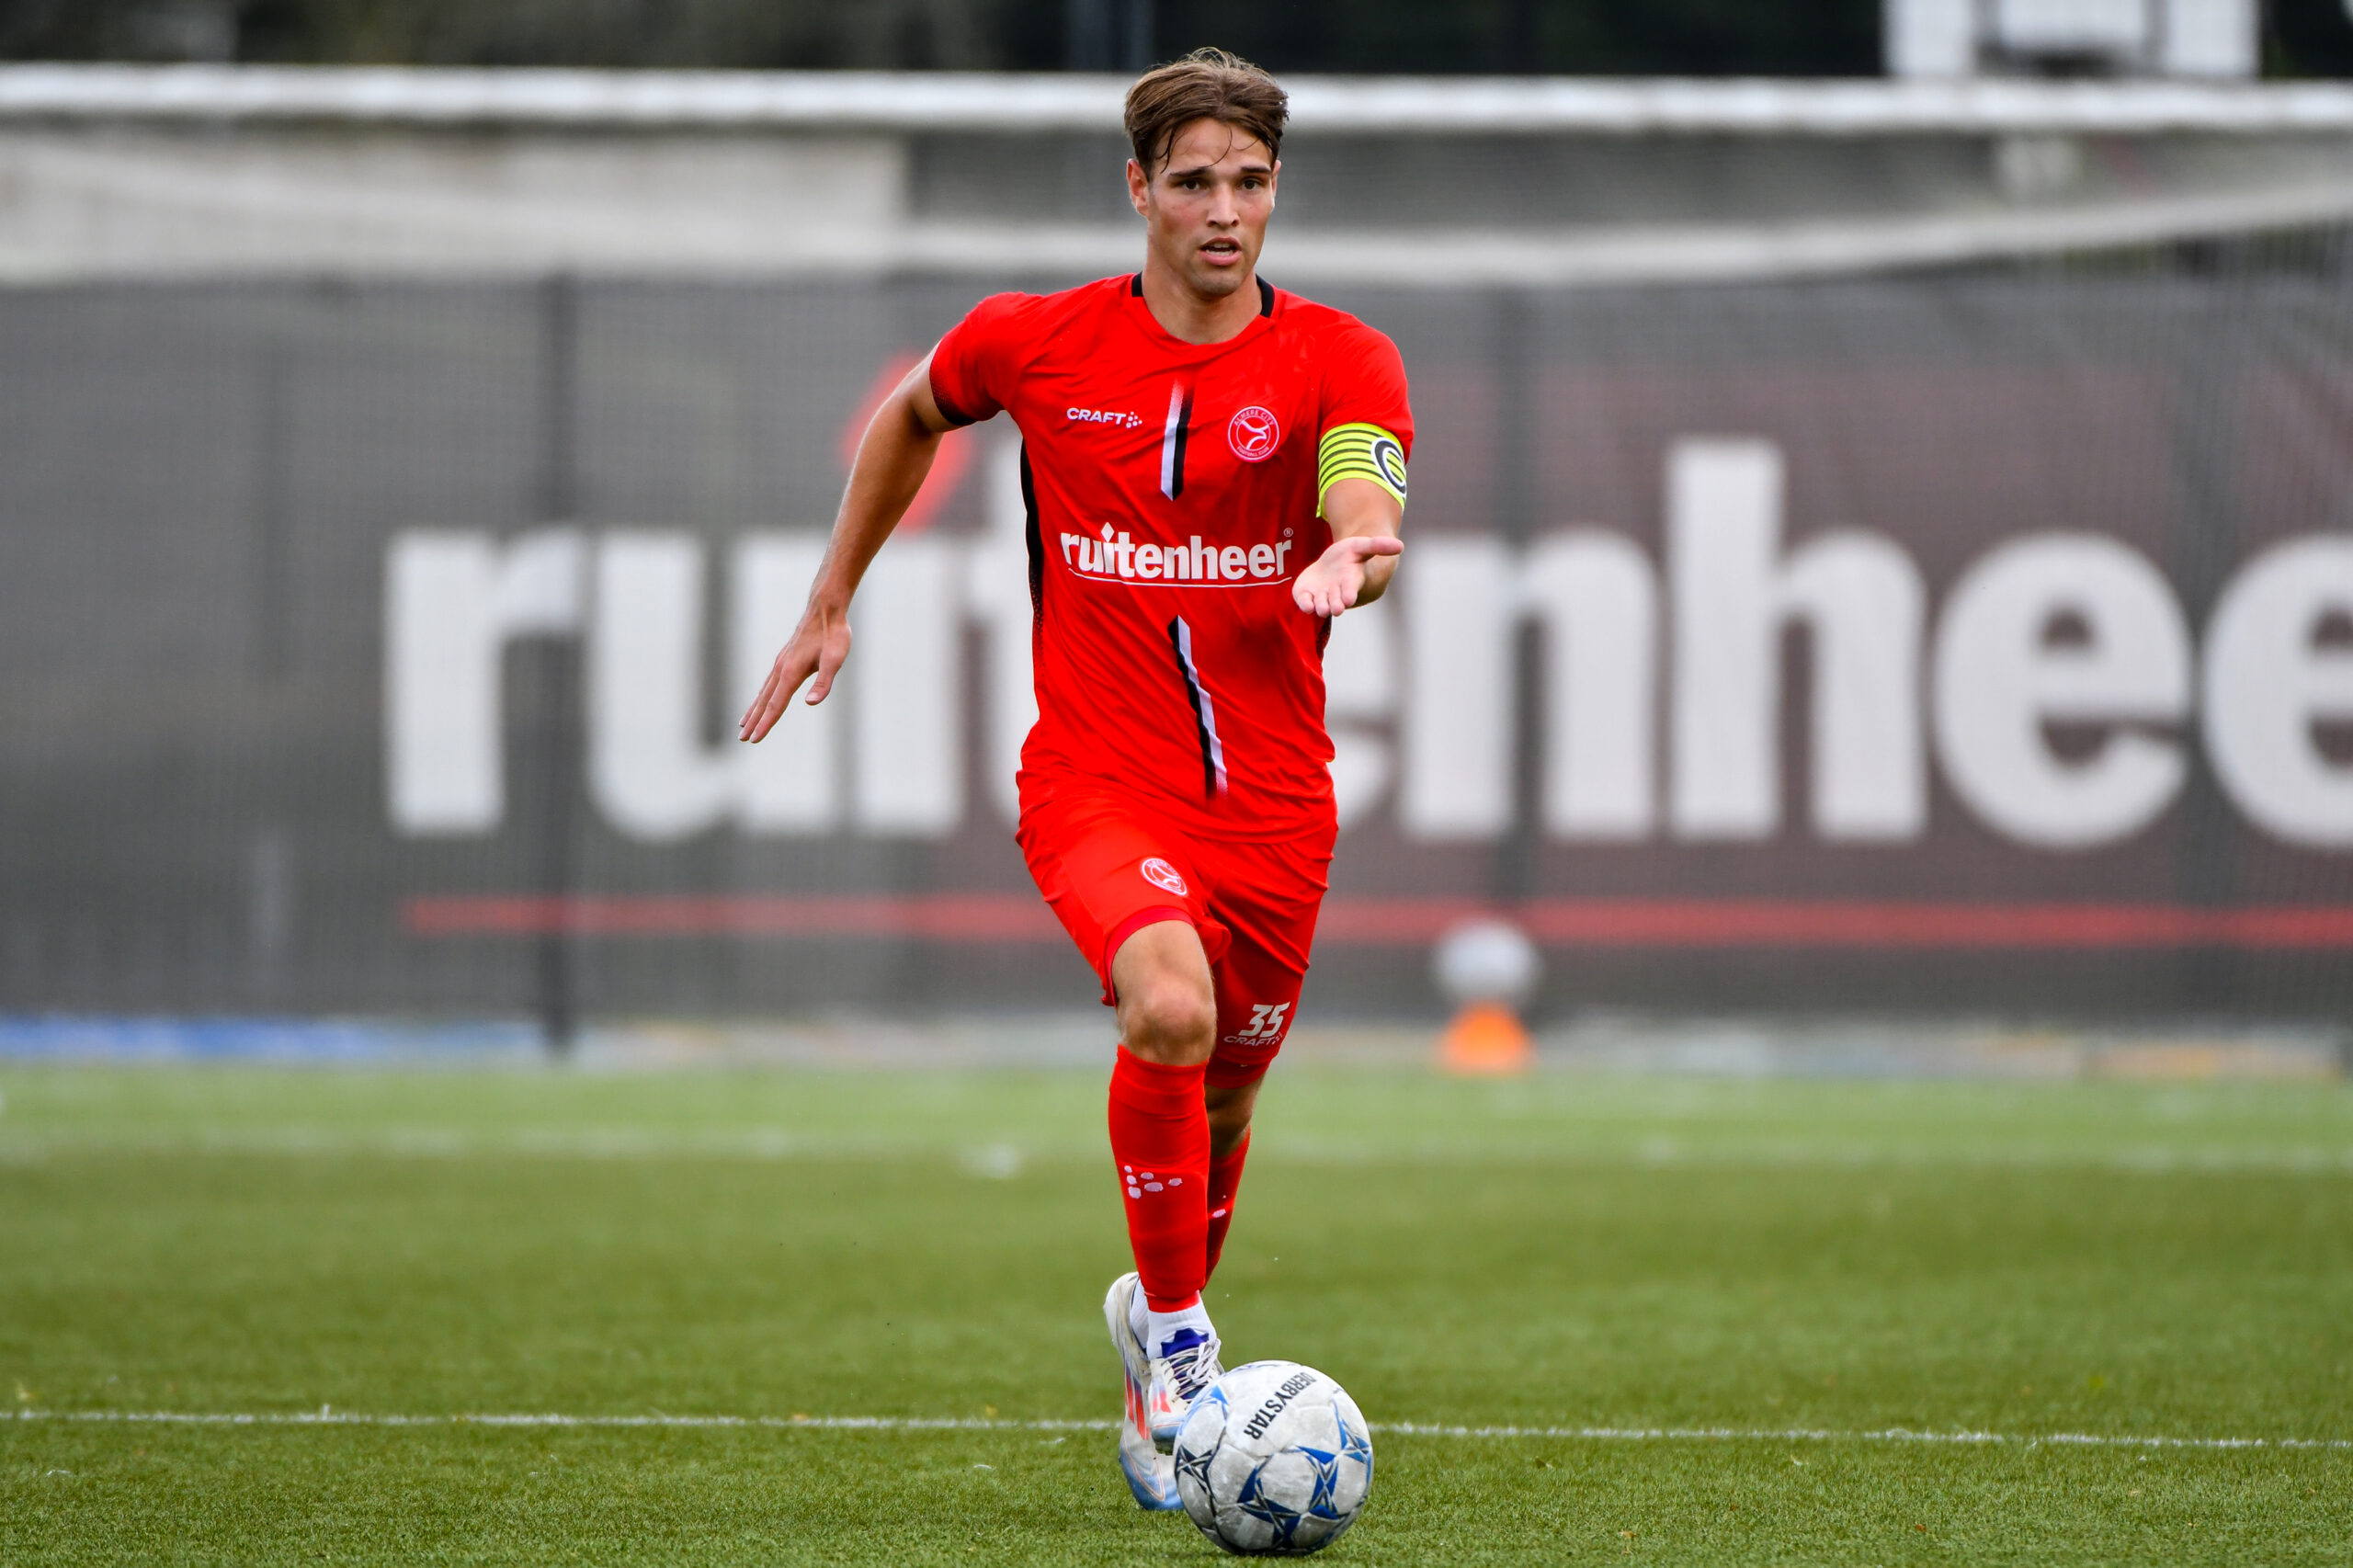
column 1163, row 875
column 1253, row 433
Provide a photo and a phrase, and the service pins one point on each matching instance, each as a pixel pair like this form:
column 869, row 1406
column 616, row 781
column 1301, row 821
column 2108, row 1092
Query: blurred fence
column 1974, row 640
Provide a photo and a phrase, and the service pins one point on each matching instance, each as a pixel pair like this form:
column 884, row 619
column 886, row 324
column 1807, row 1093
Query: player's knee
column 1169, row 1018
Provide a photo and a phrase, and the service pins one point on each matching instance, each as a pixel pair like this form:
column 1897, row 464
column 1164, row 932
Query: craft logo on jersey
column 1163, row 875
column 1253, row 433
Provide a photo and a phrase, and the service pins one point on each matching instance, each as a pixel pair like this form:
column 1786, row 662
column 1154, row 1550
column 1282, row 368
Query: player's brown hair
column 1207, row 84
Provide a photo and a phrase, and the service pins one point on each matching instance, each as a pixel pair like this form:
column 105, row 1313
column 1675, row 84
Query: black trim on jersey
column 1266, row 296
column 1193, row 696
column 1172, row 469
column 948, row 410
column 1037, row 542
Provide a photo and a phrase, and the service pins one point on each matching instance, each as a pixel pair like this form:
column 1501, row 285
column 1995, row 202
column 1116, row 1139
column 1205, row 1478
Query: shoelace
column 1194, row 1368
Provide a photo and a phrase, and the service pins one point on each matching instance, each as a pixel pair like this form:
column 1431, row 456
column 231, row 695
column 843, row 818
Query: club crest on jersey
column 1253, row 433
column 1163, row 875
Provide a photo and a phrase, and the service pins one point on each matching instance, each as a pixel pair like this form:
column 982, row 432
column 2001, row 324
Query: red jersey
column 1172, row 499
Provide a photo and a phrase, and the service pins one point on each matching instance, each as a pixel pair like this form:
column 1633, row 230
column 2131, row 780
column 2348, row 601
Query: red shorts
column 1109, row 869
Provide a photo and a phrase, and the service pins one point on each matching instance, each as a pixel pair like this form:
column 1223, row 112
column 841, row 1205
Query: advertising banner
column 1979, row 643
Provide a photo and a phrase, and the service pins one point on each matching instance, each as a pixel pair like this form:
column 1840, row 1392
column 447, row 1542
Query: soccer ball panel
column 1356, row 1448
column 1197, row 1442
column 1274, row 1458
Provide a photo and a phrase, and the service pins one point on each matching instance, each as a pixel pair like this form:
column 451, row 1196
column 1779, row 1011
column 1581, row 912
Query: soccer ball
column 1274, row 1460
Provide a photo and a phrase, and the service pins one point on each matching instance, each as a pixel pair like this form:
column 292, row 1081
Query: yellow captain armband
column 1359, row 451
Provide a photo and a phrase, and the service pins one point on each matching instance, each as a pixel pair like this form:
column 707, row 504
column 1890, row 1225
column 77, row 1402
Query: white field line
column 328, row 1416
column 1825, row 1435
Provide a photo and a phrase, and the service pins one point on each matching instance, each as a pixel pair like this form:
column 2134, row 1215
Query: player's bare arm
column 894, row 456
column 1356, row 569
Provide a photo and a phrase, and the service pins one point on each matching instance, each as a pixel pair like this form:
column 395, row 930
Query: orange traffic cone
column 1486, row 1038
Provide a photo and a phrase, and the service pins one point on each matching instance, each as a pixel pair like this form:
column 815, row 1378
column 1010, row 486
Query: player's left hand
column 1332, row 583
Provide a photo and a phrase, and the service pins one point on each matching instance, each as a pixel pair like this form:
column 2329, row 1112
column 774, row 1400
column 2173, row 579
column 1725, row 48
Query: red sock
column 1160, row 1140
column 1225, row 1178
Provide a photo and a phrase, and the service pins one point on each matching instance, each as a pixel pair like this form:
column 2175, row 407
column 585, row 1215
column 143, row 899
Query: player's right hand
column 819, row 645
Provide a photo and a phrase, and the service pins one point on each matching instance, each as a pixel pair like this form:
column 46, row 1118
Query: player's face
column 1205, row 209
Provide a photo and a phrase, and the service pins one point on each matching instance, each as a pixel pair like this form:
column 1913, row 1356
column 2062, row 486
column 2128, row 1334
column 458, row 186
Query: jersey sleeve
column 973, row 369
column 1367, row 423
column 1364, row 383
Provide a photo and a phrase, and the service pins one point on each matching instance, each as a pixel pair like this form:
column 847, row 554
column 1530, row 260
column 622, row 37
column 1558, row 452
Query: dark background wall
column 1808, row 37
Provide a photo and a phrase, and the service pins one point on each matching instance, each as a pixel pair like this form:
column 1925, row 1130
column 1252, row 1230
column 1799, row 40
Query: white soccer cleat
column 1151, row 1474
column 1180, row 1369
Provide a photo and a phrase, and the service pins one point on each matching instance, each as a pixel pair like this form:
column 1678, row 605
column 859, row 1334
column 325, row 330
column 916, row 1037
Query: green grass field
column 1801, row 1267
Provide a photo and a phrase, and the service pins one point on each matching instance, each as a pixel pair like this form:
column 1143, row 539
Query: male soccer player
column 1213, row 469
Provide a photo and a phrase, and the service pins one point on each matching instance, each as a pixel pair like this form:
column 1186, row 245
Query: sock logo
column 1163, row 875
column 1137, row 1185
column 1265, row 1023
